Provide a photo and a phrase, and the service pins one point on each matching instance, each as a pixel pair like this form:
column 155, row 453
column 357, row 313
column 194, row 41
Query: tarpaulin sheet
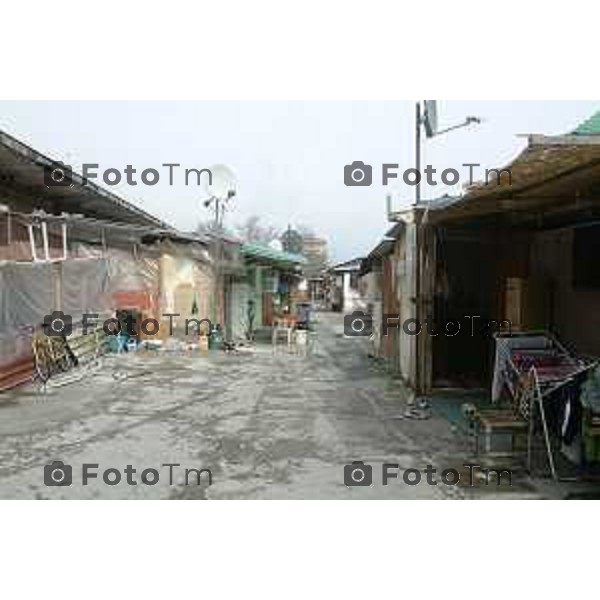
column 85, row 287
column 132, row 273
column 29, row 291
column 134, row 280
column 3, row 301
column 15, row 345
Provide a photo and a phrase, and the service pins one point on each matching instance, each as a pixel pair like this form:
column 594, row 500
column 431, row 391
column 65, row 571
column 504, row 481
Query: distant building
column 314, row 250
column 346, row 294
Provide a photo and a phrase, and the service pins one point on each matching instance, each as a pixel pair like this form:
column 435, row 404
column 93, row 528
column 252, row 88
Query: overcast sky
column 289, row 156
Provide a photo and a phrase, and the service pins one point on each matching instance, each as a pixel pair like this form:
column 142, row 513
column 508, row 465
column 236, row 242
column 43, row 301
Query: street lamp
column 222, row 188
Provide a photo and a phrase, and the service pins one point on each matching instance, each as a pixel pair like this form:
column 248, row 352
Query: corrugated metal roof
column 548, row 173
column 270, row 254
column 590, row 126
column 27, row 167
column 439, row 203
column 385, row 247
column 349, row 265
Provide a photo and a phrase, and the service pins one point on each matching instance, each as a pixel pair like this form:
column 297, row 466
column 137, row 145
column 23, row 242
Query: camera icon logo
column 57, row 324
column 358, row 474
column 58, row 175
column 58, row 474
column 358, row 324
column 358, row 173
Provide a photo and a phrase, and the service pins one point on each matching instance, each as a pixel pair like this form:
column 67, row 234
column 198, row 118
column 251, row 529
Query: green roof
column 267, row 253
column 590, row 126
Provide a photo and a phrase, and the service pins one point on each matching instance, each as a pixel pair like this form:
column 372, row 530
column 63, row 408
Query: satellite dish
column 430, row 118
column 223, row 182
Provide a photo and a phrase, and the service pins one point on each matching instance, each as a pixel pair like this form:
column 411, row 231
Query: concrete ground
column 266, row 425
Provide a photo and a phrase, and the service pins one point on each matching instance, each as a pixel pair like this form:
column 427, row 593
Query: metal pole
column 218, row 253
column 418, row 152
column 417, row 256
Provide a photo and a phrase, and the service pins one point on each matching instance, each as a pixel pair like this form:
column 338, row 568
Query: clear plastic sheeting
column 31, row 290
column 85, row 287
column 134, row 281
column 82, row 250
column 28, row 292
column 132, row 273
column 3, row 301
column 14, row 346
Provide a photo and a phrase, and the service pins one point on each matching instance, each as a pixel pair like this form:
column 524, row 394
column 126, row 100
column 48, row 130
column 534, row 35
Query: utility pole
column 418, row 123
column 417, row 255
column 424, row 117
column 221, row 189
column 218, row 242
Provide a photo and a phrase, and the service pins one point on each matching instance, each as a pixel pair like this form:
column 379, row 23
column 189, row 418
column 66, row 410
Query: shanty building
column 81, row 249
column 519, row 252
column 268, row 288
column 346, row 295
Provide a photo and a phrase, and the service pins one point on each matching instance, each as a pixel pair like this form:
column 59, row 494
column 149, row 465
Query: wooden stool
column 499, row 421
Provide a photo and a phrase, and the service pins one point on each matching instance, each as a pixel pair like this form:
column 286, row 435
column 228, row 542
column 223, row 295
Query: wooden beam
column 563, row 140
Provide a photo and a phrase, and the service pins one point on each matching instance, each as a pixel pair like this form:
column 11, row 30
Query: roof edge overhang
column 562, row 170
column 27, row 154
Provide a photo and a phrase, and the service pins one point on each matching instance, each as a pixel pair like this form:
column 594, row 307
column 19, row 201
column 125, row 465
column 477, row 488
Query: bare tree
column 253, row 230
column 206, row 227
